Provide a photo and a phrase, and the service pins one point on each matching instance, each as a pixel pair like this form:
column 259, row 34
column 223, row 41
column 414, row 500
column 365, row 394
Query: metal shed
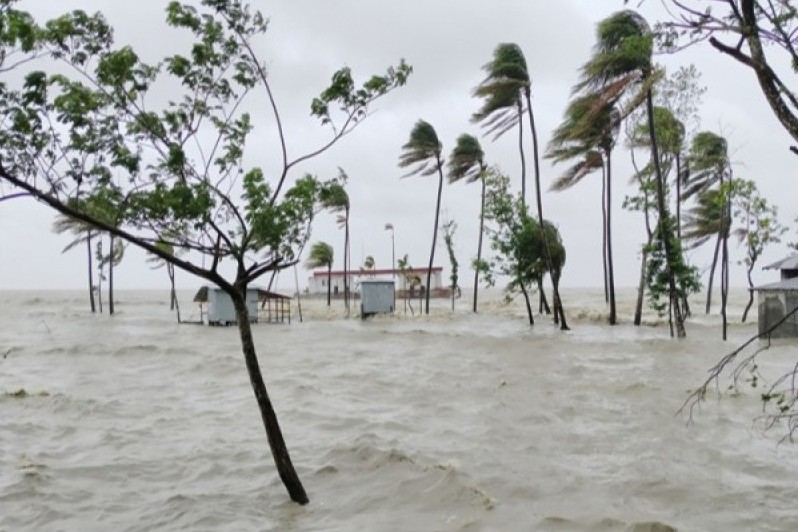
column 775, row 301
column 377, row 296
column 220, row 309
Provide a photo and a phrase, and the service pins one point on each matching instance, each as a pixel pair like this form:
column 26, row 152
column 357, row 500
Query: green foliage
column 506, row 81
column 517, row 239
column 757, row 218
column 661, row 265
column 98, row 139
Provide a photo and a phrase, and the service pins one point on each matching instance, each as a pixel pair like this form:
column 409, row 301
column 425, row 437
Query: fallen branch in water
column 784, row 400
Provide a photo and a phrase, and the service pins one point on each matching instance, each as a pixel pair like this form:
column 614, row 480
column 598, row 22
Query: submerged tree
column 423, row 153
column 88, row 119
column 467, row 162
column 158, row 262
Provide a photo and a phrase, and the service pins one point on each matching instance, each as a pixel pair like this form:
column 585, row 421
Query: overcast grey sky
column 446, row 42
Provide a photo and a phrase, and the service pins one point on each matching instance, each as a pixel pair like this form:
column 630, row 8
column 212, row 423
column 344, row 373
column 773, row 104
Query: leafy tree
column 88, row 121
column 409, row 280
column 670, row 135
column 622, row 63
column 369, row 263
column 467, row 162
column 422, row 152
column 521, row 247
column 757, row 34
column 322, row 256
column 758, row 227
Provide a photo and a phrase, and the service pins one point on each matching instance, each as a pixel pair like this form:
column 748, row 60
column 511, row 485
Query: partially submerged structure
column 777, row 300
column 216, row 306
column 377, row 297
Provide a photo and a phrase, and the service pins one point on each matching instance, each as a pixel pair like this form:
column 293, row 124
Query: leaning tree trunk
column 282, row 460
column 557, row 300
column 604, row 233
column 91, row 272
column 712, row 273
column 663, row 219
column 479, row 243
column 750, row 289
column 329, row 281
column 610, row 269
column 543, row 304
column 434, row 235
column 724, row 284
column 111, row 277
column 641, row 287
column 528, row 304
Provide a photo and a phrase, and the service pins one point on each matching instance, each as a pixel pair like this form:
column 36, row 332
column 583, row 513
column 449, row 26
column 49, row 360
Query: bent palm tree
column 588, row 135
column 622, row 60
column 321, row 256
column 467, row 162
column 423, row 153
column 335, row 198
column 506, row 90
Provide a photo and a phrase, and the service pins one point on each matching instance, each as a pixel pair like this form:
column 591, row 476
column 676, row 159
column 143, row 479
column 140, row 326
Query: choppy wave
column 449, row 422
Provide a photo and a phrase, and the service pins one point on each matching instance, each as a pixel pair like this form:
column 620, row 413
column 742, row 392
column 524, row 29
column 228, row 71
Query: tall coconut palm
column 506, row 92
column 422, row 152
column 322, row 256
column 622, row 65
column 709, row 169
column 587, row 136
column 467, row 162
column 335, row 198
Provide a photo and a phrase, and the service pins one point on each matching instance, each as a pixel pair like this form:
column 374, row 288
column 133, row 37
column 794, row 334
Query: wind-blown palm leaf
column 706, row 219
column 506, row 78
column 321, row 255
column 593, row 161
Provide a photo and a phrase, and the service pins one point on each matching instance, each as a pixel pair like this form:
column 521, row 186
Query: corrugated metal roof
column 788, row 284
column 790, row 263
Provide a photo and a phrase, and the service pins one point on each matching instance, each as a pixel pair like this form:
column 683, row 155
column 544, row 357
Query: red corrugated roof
column 323, row 273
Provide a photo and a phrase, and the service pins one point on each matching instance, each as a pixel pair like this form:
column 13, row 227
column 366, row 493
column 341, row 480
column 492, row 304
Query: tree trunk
column 556, row 292
column 282, row 460
column 712, row 273
column 434, row 234
column 604, row 233
column 111, row 278
column 663, row 217
column 329, row 283
column 479, row 242
column 521, row 151
column 724, row 284
column 175, row 305
column 610, row 269
column 678, row 197
column 298, row 298
column 100, row 275
column 91, row 272
column 346, row 262
column 543, row 304
column 528, row 304
column 641, row 287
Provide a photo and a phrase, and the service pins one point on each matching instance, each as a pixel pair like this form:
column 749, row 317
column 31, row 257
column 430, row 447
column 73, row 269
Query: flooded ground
column 450, row 422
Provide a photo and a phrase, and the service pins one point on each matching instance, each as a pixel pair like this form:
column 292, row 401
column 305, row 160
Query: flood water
column 448, row 422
